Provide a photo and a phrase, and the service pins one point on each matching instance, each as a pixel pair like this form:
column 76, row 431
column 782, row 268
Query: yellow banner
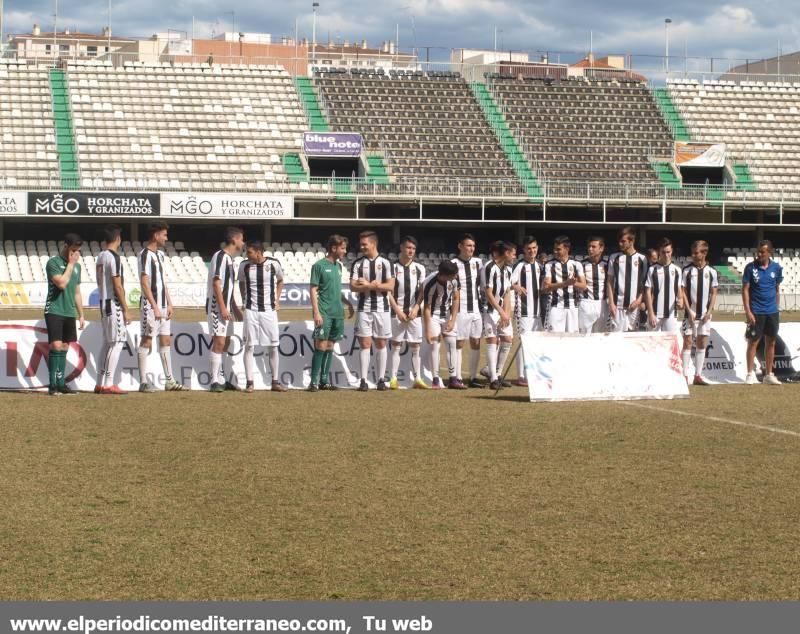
column 12, row 294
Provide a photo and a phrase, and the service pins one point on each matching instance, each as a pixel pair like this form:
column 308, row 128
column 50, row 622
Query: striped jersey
column 109, row 266
column 665, row 283
column 557, row 272
column 379, row 269
column 628, row 274
column 468, row 285
column 220, row 267
column 407, row 283
column 151, row 264
column 439, row 295
column 260, row 282
column 697, row 283
column 595, row 274
column 497, row 278
column 529, row 275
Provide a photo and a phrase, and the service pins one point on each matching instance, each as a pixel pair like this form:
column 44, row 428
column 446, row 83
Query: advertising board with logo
column 13, row 204
column 97, row 204
column 233, row 206
column 332, row 144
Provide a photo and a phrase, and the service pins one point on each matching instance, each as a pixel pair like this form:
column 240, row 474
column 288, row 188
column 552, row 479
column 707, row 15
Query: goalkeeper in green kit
column 327, row 305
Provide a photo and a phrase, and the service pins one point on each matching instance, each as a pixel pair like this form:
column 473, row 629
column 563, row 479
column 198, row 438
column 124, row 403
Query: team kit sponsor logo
column 73, row 204
column 227, row 206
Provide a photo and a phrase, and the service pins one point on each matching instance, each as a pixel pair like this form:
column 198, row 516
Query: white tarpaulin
column 692, row 154
column 614, row 366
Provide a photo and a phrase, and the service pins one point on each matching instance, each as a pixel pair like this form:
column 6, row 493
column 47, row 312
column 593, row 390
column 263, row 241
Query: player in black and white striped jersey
column 371, row 277
column 527, row 278
column 663, row 292
column 700, row 283
column 497, row 328
column 627, row 271
column 221, row 307
column 156, row 308
column 113, row 310
column 405, row 300
column 564, row 281
column 593, row 309
column 260, row 285
column 440, row 296
column 469, row 320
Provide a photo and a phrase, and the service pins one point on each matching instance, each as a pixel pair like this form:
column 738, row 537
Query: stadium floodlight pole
column 314, row 6
column 55, row 36
column 667, row 22
column 108, row 52
column 2, row 15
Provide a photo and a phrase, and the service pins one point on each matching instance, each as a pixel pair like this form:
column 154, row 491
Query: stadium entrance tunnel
column 703, row 175
column 338, row 167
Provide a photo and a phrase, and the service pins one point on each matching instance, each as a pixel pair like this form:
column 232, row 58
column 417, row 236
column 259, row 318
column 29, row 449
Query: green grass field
column 400, row 495
column 438, row 496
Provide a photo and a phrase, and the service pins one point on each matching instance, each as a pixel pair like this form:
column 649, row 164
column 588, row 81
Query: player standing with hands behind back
column 63, row 305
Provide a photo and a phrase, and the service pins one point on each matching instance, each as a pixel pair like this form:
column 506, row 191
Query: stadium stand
column 427, row 125
column 586, row 130
column 756, row 120
column 182, row 126
column 28, row 157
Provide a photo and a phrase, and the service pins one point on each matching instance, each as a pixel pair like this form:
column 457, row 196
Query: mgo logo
column 191, row 206
column 24, row 351
column 56, row 204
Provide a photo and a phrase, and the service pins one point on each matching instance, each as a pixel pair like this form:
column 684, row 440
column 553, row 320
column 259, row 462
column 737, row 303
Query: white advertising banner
column 612, row 366
column 23, row 350
column 231, row 206
column 13, row 204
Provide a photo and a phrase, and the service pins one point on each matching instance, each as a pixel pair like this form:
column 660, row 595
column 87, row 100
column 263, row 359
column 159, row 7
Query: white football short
column 696, row 328
column 410, row 331
column 217, row 326
column 625, row 321
column 152, row 327
column 469, row 326
column 529, row 324
column 492, row 328
column 592, row 315
column 261, row 328
column 564, row 319
column 113, row 321
column 665, row 324
column 438, row 325
column 377, row 325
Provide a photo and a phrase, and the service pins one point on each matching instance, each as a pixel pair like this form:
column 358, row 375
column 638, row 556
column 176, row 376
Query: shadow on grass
column 505, row 397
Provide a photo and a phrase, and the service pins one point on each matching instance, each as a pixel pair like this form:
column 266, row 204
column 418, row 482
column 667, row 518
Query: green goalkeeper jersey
column 61, row 302
column 327, row 277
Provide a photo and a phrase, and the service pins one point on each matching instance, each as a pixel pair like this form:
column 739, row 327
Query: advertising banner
column 232, row 205
column 13, row 204
column 690, row 154
column 24, row 347
column 102, row 204
column 332, row 144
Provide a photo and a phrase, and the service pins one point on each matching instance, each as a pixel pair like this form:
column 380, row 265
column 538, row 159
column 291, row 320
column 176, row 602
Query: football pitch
column 400, row 495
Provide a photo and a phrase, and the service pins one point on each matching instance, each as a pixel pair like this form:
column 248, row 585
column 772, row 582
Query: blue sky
column 728, row 30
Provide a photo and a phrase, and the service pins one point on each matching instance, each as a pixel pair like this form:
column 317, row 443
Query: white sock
column 687, row 362
column 458, row 360
column 395, row 359
column 491, row 356
column 141, row 355
column 103, row 361
column 435, row 358
column 699, row 361
column 452, row 356
column 474, row 360
column 249, row 362
column 112, row 360
column 416, row 363
column 520, row 365
column 166, row 360
column 363, row 357
column 381, row 357
column 273, row 362
column 502, row 355
column 214, row 364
